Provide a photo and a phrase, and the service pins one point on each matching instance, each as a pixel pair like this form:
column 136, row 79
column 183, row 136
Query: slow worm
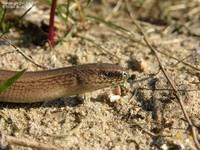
column 63, row 82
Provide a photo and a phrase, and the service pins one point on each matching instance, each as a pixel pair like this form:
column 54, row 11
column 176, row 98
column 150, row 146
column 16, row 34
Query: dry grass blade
column 116, row 8
column 108, row 23
column 179, row 61
column 117, row 28
column 18, row 50
column 176, row 93
column 97, row 45
column 29, row 143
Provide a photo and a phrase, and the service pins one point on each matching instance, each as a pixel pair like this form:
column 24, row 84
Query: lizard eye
column 108, row 74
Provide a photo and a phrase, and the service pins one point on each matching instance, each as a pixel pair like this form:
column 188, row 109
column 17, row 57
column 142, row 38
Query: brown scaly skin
column 63, row 82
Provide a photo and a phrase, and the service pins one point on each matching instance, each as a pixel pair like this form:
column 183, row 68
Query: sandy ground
column 148, row 116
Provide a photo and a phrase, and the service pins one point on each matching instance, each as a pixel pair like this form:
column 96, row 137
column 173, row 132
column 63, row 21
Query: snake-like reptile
column 63, row 82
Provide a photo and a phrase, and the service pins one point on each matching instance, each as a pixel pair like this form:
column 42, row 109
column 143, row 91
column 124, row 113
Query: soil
column 147, row 116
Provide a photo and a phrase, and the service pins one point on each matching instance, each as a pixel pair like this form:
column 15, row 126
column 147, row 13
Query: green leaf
column 88, row 1
column 68, row 4
column 5, row 84
column 20, row 17
column 108, row 23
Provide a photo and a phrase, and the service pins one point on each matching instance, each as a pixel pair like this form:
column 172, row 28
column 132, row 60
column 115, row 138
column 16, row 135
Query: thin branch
column 97, row 45
column 176, row 93
column 170, row 56
column 18, row 50
column 114, row 11
column 180, row 61
column 81, row 15
column 26, row 142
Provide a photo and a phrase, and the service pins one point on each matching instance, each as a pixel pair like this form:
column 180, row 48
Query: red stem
column 51, row 24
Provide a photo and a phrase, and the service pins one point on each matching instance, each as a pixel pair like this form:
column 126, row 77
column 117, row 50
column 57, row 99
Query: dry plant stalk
column 176, row 92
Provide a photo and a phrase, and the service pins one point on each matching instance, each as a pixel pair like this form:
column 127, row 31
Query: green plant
column 6, row 25
column 5, row 84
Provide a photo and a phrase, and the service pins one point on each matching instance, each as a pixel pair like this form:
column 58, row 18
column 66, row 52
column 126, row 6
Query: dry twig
column 176, row 93
column 18, row 50
column 29, row 143
column 97, row 45
column 114, row 11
